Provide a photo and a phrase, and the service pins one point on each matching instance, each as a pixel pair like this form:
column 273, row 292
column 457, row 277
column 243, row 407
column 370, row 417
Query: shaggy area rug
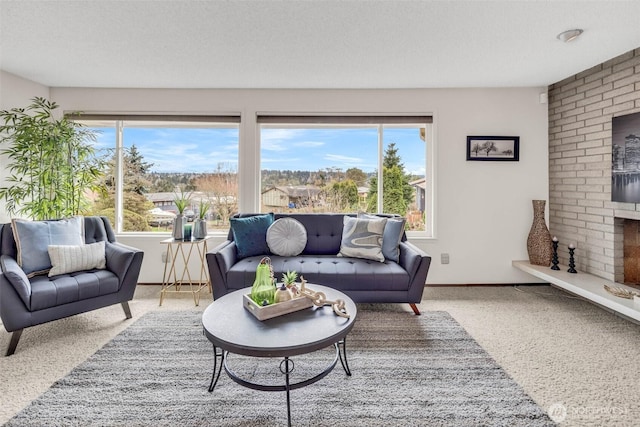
column 407, row 371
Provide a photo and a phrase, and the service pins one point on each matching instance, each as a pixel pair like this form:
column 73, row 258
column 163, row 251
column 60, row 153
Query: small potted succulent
column 200, row 224
column 181, row 201
column 289, row 279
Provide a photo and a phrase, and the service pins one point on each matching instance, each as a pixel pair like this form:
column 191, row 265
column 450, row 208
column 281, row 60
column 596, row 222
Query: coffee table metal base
column 286, row 367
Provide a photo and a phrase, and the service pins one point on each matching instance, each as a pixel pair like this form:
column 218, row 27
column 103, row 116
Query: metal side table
column 176, row 270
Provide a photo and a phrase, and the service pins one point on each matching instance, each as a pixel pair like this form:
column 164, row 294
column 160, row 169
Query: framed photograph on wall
column 493, row 148
column 625, row 158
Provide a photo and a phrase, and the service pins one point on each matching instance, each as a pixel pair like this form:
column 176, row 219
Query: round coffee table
column 233, row 329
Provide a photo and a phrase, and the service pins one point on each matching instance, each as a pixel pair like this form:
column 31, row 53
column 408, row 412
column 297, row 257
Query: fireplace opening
column 631, row 250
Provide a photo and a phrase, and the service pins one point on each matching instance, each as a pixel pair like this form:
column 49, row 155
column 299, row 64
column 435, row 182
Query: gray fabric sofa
column 363, row 280
column 28, row 302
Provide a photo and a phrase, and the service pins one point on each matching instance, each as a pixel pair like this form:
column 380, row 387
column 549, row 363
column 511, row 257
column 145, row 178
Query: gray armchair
column 28, row 302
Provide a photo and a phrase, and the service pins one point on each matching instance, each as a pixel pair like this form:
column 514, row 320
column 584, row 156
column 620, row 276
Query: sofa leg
column 127, row 310
column 415, row 309
column 15, row 337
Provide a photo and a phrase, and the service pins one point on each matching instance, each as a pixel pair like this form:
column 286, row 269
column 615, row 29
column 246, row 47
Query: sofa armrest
column 416, row 262
column 125, row 262
column 219, row 261
column 17, row 278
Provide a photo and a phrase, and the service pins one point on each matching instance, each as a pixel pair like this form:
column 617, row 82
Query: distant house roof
column 169, row 196
column 422, row 183
column 295, row 191
column 160, row 197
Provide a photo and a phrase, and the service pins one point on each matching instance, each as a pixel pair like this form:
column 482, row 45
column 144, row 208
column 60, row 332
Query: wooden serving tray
column 277, row 309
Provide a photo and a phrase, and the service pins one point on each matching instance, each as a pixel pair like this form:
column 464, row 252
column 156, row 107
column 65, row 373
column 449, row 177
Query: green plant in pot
column 289, row 279
column 200, row 224
column 181, row 201
column 52, row 162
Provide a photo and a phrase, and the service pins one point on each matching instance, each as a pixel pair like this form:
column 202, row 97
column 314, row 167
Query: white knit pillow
column 69, row 259
column 286, row 237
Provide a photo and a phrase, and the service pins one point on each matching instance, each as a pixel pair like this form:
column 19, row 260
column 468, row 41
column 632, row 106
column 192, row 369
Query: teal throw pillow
column 34, row 237
column 250, row 234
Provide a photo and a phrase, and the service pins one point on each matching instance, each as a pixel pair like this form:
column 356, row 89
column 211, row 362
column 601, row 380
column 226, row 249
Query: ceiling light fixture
column 569, row 35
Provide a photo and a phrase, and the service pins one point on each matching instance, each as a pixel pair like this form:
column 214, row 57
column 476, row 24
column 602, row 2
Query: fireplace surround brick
column 580, row 209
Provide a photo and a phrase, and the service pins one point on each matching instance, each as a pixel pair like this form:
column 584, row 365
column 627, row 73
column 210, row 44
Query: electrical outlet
column 164, row 258
column 444, row 258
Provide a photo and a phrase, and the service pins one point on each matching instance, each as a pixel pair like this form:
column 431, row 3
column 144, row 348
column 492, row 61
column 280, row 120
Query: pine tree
column 397, row 193
column 135, row 185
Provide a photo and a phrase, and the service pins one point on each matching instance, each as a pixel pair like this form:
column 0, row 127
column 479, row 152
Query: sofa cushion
column 250, row 234
column 286, row 237
column 343, row 274
column 67, row 288
column 362, row 238
column 393, row 232
column 324, row 232
column 33, row 238
column 69, row 259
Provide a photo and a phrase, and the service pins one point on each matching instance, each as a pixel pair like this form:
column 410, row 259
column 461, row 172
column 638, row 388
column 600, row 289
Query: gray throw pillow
column 34, row 237
column 287, row 237
column 362, row 238
column 391, row 237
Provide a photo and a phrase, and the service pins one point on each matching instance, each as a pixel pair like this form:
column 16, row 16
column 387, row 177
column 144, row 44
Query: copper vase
column 539, row 244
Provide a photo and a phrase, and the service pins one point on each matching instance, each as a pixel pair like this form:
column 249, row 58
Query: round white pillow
column 286, row 237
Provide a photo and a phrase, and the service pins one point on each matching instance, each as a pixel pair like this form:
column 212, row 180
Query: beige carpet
column 566, row 353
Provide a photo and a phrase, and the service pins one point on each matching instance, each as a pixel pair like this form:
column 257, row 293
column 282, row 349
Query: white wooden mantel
column 586, row 285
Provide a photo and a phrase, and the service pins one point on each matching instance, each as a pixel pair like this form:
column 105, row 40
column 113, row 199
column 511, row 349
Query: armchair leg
column 415, row 309
column 127, row 310
column 15, row 337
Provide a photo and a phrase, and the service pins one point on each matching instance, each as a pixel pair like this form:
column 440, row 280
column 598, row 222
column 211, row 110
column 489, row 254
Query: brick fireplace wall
column 580, row 209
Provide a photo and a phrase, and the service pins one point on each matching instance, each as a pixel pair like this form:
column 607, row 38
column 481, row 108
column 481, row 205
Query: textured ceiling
column 309, row 44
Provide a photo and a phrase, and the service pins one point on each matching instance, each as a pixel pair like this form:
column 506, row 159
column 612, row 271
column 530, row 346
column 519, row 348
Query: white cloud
column 308, row 144
column 344, row 159
column 275, row 139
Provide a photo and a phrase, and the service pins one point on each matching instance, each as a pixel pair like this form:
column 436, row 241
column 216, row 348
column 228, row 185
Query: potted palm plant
column 52, row 162
column 200, row 224
column 181, row 201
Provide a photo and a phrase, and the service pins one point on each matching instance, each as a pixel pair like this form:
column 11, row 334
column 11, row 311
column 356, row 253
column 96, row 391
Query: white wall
column 15, row 92
column 483, row 209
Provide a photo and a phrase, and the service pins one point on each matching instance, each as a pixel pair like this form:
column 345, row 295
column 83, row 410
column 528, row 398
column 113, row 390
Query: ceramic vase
column 199, row 229
column 539, row 245
column 264, row 289
column 178, row 227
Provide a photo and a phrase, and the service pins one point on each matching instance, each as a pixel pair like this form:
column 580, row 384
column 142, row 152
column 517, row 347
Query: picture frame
column 625, row 158
column 493, row 148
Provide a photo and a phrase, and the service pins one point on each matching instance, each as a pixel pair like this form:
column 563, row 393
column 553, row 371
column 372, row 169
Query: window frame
column 298, row 121
column 249, row 176
column 119, row 121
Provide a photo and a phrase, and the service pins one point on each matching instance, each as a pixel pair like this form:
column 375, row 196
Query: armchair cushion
column 69, row 259
column 67, row 288
column 33, row 238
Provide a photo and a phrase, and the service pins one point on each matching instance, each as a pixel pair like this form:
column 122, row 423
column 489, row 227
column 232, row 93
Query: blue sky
column 202, row 150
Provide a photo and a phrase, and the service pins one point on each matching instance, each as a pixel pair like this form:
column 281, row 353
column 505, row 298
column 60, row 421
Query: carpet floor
column 407, row 370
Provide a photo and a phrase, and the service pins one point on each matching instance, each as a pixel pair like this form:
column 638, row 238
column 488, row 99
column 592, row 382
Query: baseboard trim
column 442, row 285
